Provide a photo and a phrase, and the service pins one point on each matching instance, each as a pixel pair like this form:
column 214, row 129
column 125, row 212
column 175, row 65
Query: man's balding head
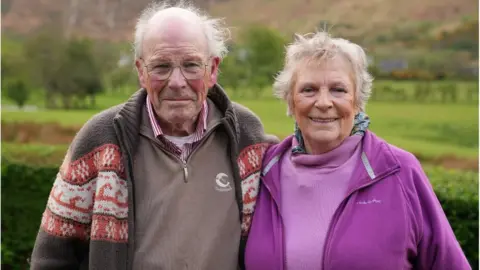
column 161, row 16
column 174, row 24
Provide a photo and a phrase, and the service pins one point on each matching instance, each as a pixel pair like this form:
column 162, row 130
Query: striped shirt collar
column 201, row 123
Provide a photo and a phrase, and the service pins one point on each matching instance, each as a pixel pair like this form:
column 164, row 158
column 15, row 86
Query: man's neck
column 178, row 129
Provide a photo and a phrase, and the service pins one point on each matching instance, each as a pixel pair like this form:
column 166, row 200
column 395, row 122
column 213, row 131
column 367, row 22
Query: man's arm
column 52, row 252
column 62, row 241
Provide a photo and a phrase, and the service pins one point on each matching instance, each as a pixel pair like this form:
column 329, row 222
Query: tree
column 45, row 51
column 66, row 69
column 234, row 73
column 18, row 92
column 15, row 72
column 84, row 76
column 264, row 58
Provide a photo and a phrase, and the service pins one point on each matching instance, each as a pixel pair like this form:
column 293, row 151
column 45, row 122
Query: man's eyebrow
column 161, row 58
column 192, row 57
column 338, row 84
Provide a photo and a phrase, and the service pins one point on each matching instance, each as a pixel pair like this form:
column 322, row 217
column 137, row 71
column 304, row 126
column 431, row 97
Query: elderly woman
column 333, row 195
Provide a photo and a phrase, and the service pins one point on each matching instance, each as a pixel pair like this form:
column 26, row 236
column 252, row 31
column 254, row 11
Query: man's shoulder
column 96, row 132
column 100, row 123
column 243, row 112
column 104, row 117
column 250, row 126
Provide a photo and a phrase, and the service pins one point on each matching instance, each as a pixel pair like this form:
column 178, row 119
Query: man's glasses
column 190, row 69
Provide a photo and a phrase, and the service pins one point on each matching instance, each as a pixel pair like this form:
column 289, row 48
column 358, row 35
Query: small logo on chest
column 221, row 183
column 372, row 201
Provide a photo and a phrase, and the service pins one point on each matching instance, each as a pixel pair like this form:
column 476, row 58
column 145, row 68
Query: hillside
column 115, row 19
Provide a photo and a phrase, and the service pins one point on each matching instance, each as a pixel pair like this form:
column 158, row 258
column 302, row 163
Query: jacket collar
column 129, row 118
column 377, row 161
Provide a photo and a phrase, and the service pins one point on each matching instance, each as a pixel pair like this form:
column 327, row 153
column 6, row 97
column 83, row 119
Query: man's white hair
column 319, row 47
column 215, row 30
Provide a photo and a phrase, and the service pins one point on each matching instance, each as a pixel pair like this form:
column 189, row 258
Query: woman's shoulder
column 411, row 173
column 404, row 158
column 277, row 149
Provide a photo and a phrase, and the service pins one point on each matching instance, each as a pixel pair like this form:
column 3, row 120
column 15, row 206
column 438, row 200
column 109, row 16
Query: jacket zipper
column 336, row 217
column 200, row 143
column 185, row 162
column 185, row 171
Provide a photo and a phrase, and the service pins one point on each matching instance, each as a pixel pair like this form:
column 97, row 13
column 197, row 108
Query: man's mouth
column 178, row 99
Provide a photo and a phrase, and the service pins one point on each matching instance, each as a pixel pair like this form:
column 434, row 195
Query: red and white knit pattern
column 89, row 198
column 250, row 165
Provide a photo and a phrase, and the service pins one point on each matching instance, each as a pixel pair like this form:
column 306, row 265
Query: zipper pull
column 185, row 172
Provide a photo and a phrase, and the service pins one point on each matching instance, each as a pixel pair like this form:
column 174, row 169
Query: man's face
column 176, row 69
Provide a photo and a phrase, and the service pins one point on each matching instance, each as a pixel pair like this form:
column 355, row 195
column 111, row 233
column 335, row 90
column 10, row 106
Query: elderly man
column 161, row 181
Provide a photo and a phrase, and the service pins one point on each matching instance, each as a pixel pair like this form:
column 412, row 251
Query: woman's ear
column 290, row 104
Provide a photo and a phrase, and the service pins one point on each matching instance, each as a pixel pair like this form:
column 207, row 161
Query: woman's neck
column 333, row 158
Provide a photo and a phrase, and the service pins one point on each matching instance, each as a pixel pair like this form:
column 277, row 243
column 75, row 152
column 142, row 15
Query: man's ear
column 140, row 73
column 213, row 68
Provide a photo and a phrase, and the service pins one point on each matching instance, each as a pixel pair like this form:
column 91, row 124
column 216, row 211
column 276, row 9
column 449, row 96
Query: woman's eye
column 307, row 90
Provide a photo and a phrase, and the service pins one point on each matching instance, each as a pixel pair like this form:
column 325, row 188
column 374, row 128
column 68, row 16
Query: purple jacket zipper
column 336, row 216
column 280, row 240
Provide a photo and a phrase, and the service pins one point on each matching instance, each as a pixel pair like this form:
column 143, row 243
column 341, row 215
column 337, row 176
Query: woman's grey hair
column 318, row 47
column 215, row 30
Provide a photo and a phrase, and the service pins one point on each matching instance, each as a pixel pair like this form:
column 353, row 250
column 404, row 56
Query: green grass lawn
column 429, row 130
column 34, row 154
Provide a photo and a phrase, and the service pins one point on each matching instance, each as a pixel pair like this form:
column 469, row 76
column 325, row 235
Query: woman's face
column 323, row 103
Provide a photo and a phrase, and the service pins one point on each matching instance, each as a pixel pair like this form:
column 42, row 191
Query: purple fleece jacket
column 389, row 219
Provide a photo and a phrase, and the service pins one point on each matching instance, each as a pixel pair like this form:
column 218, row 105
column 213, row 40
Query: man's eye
column 191, row 64
column 162, row 66
column 339, row 89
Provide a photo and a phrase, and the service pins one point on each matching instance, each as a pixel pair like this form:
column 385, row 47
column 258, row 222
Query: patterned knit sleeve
column 62, row 239
column 88, row 200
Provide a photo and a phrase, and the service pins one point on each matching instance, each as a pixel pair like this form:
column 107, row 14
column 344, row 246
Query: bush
column 66, row 68
column 18, row 92
column 25, row 190
column 254, row 61
column 24, row 195
column 458, row 194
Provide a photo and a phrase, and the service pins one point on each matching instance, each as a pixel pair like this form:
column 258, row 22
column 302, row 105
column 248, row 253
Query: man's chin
column 180, row 116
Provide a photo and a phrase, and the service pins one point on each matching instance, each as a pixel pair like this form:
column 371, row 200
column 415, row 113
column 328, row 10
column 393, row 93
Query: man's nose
column 176, row 80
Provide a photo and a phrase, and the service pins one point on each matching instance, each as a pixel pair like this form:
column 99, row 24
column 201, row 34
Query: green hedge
column 24, row 196
column 25, row 190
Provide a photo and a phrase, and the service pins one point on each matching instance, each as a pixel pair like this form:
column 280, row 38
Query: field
column 443, row 135
column 436, row 132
